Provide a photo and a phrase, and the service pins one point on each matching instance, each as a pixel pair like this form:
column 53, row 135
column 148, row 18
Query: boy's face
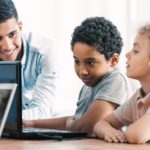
column 89, row 64
column 10, row 39
column 138, row 59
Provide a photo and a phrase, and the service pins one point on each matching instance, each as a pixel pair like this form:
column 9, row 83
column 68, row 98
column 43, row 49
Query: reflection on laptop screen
column 4, row 96
column 7, row 92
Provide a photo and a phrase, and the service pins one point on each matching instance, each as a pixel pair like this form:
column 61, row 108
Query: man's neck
column 20, row 55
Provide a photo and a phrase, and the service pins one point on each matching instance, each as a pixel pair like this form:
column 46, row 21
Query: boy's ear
column 114, row 60
column 149, row 62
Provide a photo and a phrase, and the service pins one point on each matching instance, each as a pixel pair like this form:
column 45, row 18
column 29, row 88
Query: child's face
column 89, row 64
column 138, row 59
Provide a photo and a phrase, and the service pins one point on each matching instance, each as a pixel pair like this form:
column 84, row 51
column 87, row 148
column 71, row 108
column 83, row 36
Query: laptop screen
column 11, row 73
column 7, row 92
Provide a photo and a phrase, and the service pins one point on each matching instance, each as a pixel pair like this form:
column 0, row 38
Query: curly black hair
column 99, row 33
column 7, row 10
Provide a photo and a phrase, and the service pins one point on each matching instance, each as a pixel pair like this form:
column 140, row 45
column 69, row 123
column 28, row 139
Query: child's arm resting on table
column 139, row 131
column 98, row 110
column 108, row 130
column 52, row 123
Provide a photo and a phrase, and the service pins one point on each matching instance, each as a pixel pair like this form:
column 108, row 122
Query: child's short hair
column 99, row 33
column 145, row 29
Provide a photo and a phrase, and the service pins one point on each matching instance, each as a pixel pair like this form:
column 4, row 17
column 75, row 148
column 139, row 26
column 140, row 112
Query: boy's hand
column 69, row 122
column 115, row 136
column 27, row 123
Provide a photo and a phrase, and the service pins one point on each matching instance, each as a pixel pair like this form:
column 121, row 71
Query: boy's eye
column 135, row 51
column 76, row 61
column 91, row 63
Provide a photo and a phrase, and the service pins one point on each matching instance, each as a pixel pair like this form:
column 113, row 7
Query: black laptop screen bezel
column 11, row 73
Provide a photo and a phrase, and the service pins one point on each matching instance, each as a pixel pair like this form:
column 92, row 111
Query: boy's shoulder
column 115, row 74
column 113, row 79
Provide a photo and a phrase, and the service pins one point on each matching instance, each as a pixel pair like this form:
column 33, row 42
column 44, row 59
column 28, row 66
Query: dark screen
column 4, row 97
column 10, row 72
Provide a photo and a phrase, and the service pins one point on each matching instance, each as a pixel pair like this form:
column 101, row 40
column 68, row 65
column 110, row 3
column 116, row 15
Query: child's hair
column 99, row 33
column 145, row 30
column 7, row 10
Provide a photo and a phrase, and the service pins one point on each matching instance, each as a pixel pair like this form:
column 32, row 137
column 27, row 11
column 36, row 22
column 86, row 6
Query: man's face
column 10, row 39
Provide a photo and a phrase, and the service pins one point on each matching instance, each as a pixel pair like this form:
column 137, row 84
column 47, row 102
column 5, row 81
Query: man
column 35, row 54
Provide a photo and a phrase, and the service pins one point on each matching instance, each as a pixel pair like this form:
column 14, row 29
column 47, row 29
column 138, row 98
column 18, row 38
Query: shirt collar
column 142, row 98
column 23, row 60
column 139, row 94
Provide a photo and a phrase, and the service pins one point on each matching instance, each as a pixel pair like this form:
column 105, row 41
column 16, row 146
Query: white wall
column 57, row 19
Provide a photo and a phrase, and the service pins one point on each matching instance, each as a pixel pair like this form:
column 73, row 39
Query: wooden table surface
column 82, row 144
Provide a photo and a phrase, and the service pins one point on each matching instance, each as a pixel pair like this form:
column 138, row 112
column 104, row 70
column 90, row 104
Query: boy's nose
column 127, row 55
column 83, row 70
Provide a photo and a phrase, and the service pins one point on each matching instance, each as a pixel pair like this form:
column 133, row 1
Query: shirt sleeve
column 147, row 111
column 124, row 113
column 113, row 88
column 43, row 92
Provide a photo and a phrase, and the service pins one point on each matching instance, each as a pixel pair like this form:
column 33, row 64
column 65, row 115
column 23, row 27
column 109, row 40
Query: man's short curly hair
column 99, row 33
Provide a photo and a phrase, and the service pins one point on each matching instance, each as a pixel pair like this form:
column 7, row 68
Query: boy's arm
column 53, row 123
column 139, row 131
column 107, row 129
column 98, row 110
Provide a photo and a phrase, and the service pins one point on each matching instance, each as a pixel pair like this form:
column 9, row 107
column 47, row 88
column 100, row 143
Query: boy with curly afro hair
column 96, row 45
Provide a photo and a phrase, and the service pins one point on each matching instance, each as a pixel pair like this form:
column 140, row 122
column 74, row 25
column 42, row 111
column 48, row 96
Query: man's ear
column 114, row 60
column 20, row 25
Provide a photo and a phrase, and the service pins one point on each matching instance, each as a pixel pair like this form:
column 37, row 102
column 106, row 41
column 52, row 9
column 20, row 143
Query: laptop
column 11, row 73
column 7, row 92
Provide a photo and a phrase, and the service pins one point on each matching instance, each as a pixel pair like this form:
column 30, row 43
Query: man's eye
column 11, row 35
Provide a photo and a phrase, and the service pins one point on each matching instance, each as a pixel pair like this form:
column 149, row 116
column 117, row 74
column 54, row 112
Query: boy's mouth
column 87, row 81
